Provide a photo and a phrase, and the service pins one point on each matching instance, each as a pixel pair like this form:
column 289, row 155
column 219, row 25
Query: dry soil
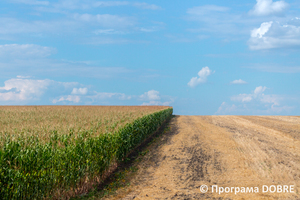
column 228, row 151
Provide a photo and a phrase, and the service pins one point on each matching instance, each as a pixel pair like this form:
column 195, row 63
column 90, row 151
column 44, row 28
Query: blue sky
column 201, row 57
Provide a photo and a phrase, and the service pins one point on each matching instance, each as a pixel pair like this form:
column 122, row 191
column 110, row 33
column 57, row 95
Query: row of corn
column 30, row 169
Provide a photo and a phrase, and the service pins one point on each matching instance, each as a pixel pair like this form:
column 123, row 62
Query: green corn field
column 57, row 152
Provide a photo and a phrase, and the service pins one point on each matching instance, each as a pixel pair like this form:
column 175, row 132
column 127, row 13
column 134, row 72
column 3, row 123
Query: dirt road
column 227, row 151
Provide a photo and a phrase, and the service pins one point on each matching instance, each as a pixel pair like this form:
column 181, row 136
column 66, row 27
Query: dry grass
column 42, row 120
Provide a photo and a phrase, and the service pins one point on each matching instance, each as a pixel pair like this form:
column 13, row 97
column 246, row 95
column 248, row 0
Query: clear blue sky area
column 201, row 57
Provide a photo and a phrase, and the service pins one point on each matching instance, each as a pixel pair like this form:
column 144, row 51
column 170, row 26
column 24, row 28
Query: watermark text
column 236, row 190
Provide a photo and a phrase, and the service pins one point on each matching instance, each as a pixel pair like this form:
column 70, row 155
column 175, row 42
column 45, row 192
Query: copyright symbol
column 203, row 188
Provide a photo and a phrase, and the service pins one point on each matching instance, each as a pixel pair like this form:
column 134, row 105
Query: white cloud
column 23, row 89
column 242, row 97
column 25, row 51
column 80, row 91
column 203, row 74
column 107, row 95
column 225, row 108
column 225, row 23
column 71, row 98
column 256, row 103
column 17, row 89
column 96, row 97
column 268, row 7
column 238, row 82
column 272, row 35
column 151, row 95
column 259, row 90
column 263, row 29
column 257, row 94
column 271, row 99
column 19, row 76
column 157, row 103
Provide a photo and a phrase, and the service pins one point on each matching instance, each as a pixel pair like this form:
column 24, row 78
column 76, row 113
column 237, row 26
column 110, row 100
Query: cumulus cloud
column 157, row 103
column 151, row 95
column 225, row 108
column 238, row 82
column 108, row 95
column 71, row 98
column 256, row 102
column 242, row 97
column 257, row 94
column 259, row 90
column 18, row 89
column 25, row 51
column 19, row 76
column 262, row 30
column 80, row 96
column 24, row 89
column 268, row 7
column 203, row 74
column 79, row 91
column 272, row 35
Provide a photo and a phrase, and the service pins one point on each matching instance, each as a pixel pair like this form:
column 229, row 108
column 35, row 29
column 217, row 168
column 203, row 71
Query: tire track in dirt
column 228, row 151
